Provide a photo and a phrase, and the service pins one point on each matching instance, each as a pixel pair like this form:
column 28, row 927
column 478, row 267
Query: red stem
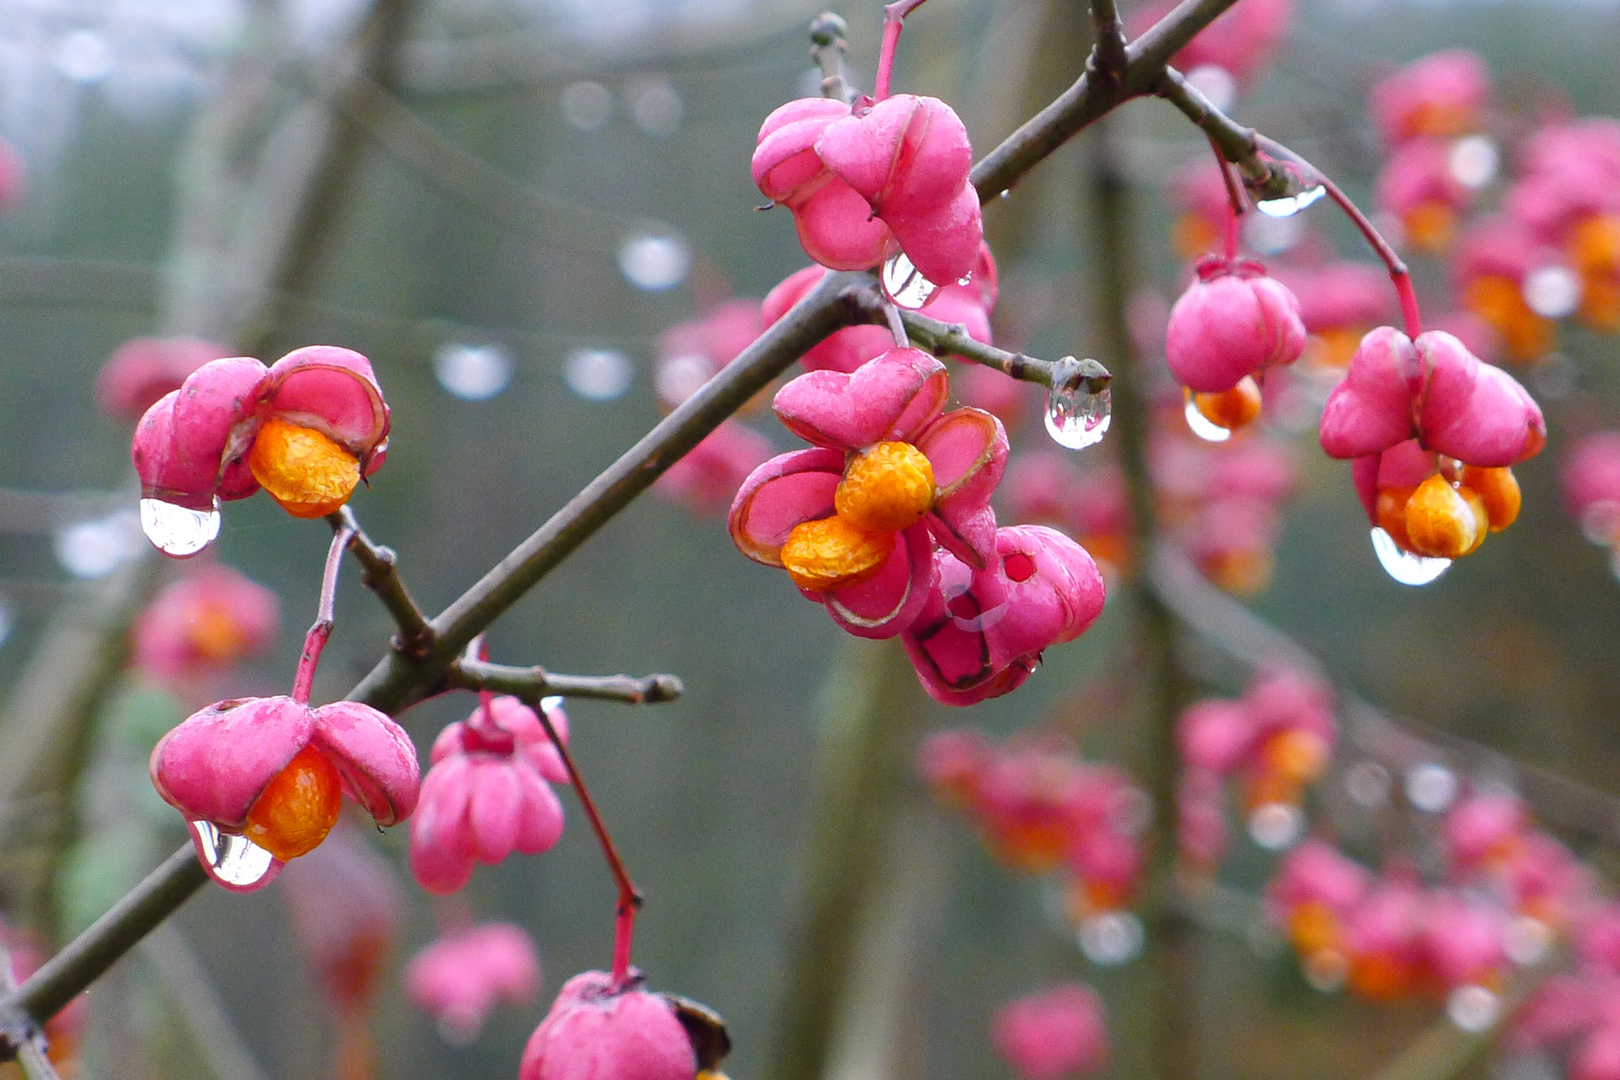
column 318, row 634
column 894, row 17
column 629, row 901
column 1398, row 274
column 1234, row 201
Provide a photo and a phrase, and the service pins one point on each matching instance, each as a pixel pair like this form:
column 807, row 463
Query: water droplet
column 1077, row 417
column 1369, row 784
column 1473, row 1008
column 1111, row 938
column 1202, row 426
column 84, row 56
column 1552, row 291
column 472, row 372
column 1215, row 83
column 1527, row 940
column 95, row 548
column 1431, row 786
column 1600, row 522
column 1289, row 205
column 1269, row 235
column 654, row 263
column 178, row 531
column 656, row 106
column 1402, row 565
column 1276, row 826
column 597, row 374
column 680, row 377
column 904, row 284
column 586, row 105
column 1326, row 970
column 1473, row 161
column 235, row 862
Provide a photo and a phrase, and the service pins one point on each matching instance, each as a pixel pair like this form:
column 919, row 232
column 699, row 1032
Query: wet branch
column 381, row 576
column 948, row 339
column 537, row 682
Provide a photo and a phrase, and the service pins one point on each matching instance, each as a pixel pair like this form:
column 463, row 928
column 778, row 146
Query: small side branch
column 947, row 339
column 829, row 50
column 537, row 682
column 1108, row 57
column 381, row 575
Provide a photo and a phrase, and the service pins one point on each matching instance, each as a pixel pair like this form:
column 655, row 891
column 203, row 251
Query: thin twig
column 381, row 576
column 1108, row 57
column 1087, row 99
column 537, row 682
column 828, row 51
column 952, row 339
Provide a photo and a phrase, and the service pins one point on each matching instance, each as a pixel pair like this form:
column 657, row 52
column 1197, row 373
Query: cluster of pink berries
column 1040, row 808
column 1273, row 742
column 887, row 523
column 1576, row 1014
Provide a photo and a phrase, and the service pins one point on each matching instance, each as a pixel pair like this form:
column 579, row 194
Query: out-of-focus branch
column 828, row 51
column 471, row 181
column 535, row 682
column 84, row 959
column 1088, row 100
column 29, row 1044
column 188, row 984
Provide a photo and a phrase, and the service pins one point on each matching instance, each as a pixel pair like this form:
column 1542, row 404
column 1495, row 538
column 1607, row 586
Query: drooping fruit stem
column 315, row 640
column 629, row 901
column 1398, row 274
column 1234, row 202
column 894, row 17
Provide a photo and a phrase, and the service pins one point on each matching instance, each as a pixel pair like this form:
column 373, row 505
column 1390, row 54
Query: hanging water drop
column 1289, row 205
column 904, row 284
column 1276, row 826
column 1402, row 565
column 1473, row 1008
column 235, row 862
column 1111, row 938
column 178, row 531
column 1077, row 414
column 1202, row 426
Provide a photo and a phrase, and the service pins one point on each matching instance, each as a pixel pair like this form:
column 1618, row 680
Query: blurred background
column 505, row 204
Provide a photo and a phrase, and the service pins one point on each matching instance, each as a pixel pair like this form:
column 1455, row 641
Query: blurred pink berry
column 1591, row 480
column 275, row 770
column 310, row 427
column 13, row 178
column 1442, row 94
column 708, row 475
column 1056, row 1033
column 1216, row 735
column 596, row 1031
column 953, row 763
column 1418, row 188
column 691, row 353
column 843, row 350
column 1316, row 873
column 208, row 619
column 1482, row 831
column 1598, row 1056
column 459, row 979
column 1241, row 42
column 1463, row 941
column 142, row 370
column 345, row 911
column 981, row 632
column 1233, row 321
column 855, row 521
column 488, row 793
